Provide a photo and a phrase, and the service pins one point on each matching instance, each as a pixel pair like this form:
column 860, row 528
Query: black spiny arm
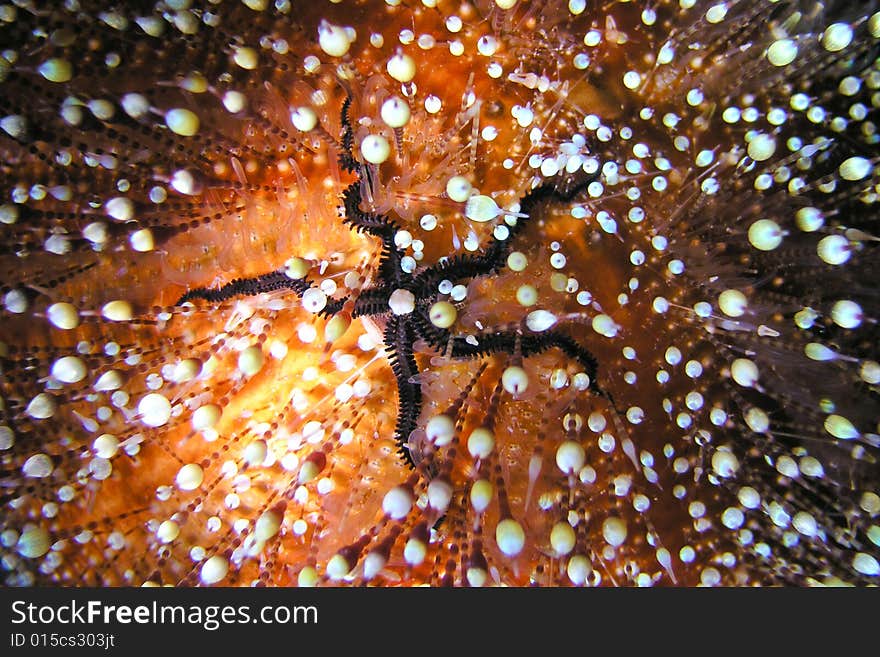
column 377, row 225
column 346, row 159
column 398, row 345
column 495, row 258
column 271, row 282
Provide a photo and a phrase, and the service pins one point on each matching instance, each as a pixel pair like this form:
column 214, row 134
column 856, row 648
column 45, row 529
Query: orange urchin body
column 716, row 262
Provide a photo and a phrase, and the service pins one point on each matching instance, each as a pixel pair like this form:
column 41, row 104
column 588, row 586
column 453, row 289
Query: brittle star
column 419, row 291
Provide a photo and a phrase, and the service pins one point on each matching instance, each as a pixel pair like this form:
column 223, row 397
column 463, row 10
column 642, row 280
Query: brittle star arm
column 399, row 338
column 346, row 159
column 495, row 257
column 377, row 225
column 271, row 282
column 494, row 342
